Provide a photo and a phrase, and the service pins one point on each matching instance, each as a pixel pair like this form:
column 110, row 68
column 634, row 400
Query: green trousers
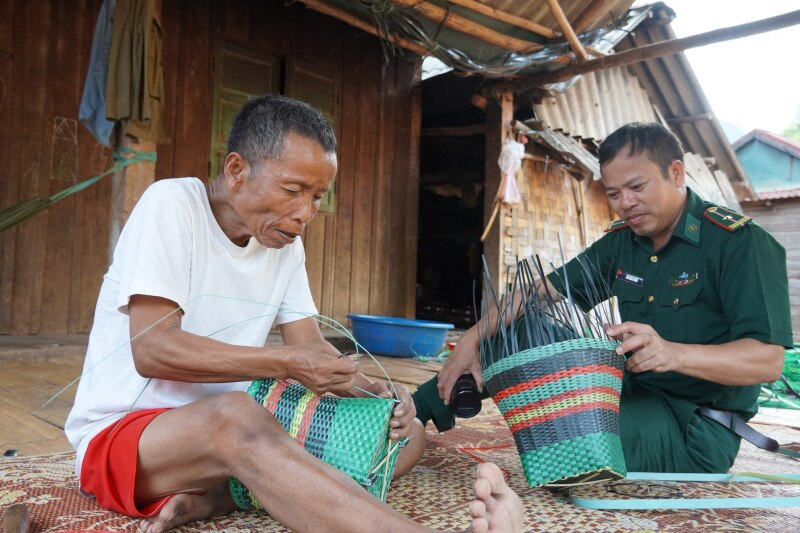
column 658, row 433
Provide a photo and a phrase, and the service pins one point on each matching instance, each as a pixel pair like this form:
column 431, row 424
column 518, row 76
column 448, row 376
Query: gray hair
column 260, row 128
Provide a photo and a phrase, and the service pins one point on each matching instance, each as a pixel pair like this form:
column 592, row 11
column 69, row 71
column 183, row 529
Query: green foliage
column 792, row 131
column 784, row 392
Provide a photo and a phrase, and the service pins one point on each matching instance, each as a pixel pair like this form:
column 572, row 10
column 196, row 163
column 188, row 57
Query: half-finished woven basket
column 351, row 434
column 561, row 402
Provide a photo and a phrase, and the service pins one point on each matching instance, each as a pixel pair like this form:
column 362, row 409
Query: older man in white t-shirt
column 200, row 274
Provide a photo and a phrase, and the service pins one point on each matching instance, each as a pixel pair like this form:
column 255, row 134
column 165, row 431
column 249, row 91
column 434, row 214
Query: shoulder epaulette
column 726, row 218
column 617, row 224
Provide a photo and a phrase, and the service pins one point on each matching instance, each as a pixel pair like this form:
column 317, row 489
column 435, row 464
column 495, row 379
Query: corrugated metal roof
column 674, row 89
column 570, row 148
column 596, row 105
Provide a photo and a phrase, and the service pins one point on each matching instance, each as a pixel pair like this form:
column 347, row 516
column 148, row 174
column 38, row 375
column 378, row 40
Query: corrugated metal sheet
column 677, row 94
column 596, row 105
column 570, row 148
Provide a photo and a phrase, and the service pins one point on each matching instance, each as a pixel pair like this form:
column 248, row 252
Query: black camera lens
column 466, row 400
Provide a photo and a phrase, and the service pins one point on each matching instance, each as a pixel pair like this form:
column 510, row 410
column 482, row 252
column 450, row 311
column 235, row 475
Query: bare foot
column 496, row 508
column 185, row 508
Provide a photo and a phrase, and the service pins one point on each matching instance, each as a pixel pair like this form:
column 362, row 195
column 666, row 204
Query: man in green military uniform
column 703, row 296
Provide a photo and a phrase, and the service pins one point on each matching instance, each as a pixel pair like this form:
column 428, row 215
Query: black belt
column 736, row 424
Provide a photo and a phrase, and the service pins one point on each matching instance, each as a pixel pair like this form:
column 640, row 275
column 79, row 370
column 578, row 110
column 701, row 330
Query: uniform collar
column 688, row 227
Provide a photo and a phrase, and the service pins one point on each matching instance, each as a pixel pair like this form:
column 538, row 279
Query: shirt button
column 676, row 301
column 653, row 258
column 650, row 298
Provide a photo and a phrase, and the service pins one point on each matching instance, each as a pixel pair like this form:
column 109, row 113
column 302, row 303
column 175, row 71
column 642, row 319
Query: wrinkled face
column 275, row 200
column 648, row 201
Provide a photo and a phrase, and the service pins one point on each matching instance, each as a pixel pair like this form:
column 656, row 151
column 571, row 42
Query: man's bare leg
column 412, row 452
column 197, row 447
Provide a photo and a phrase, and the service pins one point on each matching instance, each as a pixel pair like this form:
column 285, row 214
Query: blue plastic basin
column 399, row 337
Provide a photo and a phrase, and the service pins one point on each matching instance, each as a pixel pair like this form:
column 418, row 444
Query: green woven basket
column 351, row 434
column 561, row 402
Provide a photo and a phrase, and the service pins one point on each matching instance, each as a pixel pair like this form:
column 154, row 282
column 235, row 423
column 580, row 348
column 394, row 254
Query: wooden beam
column 569, row 33
column 689, row 118
column 468, row 27
column 455, row 131
column 586, row 17
column 344, row 16
column 652, row 51
column 508, row 18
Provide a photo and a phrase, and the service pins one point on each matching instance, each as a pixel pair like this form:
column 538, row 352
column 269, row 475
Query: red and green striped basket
column 351, row 434
column 561, row 402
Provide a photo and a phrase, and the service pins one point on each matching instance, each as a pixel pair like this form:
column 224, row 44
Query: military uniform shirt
column 712, row 283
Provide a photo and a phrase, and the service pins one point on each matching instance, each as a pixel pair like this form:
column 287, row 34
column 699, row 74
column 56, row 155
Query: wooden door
column 320, row 86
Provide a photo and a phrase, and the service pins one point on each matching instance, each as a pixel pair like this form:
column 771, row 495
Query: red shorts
column 109, row 465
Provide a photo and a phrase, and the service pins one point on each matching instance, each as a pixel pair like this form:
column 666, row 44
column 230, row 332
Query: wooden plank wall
column 361, row 259
column 782, row 220
column 51, row 265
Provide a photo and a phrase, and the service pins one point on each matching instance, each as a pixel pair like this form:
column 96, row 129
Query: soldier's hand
column 464, row 359
column 320, row 371
column 649, row 351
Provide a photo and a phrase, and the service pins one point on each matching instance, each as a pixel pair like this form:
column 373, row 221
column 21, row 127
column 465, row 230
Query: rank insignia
column 726, row 218
column 617, row 224
column 629, row 278
column 684, row 279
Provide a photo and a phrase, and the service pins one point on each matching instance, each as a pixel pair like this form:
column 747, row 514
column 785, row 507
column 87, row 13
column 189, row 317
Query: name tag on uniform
column 629, row 278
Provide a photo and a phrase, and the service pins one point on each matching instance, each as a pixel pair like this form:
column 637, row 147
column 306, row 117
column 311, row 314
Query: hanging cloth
column 135, row 87
column 92, row 112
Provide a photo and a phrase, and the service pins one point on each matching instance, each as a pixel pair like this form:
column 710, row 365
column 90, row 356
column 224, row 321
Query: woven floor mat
column 435, row 493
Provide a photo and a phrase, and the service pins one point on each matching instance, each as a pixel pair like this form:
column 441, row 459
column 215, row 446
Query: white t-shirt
column 173, row 247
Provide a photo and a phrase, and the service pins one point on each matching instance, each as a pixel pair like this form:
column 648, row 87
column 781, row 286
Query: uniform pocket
column 678, row 310
column 629, row 298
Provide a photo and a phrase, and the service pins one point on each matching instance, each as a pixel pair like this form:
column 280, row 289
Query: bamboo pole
column 344, row 16
column 652, row 51
column 468, row 27
column 569, row 33
column 508, row 18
